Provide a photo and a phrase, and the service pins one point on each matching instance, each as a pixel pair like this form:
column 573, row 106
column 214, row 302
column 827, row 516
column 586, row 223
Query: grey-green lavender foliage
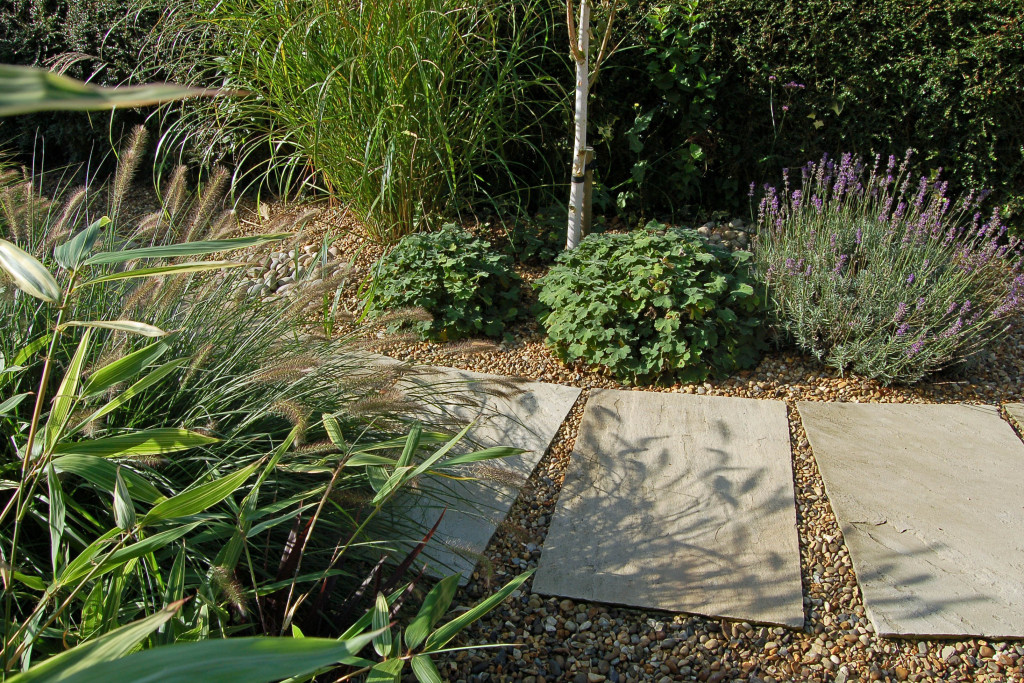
column 891, row 279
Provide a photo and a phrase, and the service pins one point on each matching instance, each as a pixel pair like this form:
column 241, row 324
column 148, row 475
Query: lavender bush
column 890, row 279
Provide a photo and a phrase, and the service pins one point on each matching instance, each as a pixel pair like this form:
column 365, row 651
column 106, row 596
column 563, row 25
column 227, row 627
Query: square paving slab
column 681, row 503
column 929, row 501
column 523, row 415
column 1016, row 413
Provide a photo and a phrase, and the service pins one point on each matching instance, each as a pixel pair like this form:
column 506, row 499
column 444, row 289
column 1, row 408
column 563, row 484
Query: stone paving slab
column 523, row 415
column 929, row 501
column 1016, row 413
column 682, row 503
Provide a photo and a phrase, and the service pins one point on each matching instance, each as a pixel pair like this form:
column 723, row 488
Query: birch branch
column 570, row 21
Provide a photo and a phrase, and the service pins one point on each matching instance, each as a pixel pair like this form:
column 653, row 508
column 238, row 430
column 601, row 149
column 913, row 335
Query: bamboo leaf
column 441, row 636
column 29, row 275
column 133, row 444
column 366, row 620
column 397, row 478
column 12, row 403
column 33, row 582
column 434, row 606
column 24, row 90
column 132, row 391
column 174, row 590
column 425, row 670
column 65, row 397
column 179, row 269
column 124, row 508
column 79, row 568
column 253, row 660
column 186, row 249
column 386, row 672
column 103, row 473
column 119, row 325
column 124, row 368
column 411, row 444
column 334, row 431
column 477, row 456
column 381, row 620
column 56, row 517
column 73, row 252
column 200, row 498
column 441, row 452
column 108, row 647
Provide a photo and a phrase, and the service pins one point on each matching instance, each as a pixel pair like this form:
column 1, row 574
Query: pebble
column 558, row 639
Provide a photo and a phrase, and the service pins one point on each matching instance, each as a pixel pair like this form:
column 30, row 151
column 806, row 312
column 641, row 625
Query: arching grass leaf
column 29, row 275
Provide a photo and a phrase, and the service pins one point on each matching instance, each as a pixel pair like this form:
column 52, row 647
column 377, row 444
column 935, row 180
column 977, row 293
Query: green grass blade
column 200, row 498
column 29, row 275
column 124, row 368
column 24, row 90
column 186, row 249
column 441, row 636
column 108, row 647
column 103, row 473
column 193, row 267
column 253, row 660
column 134, row 444
column 73, row 252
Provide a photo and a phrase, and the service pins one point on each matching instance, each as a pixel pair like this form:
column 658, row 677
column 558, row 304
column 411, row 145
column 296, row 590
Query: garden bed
column 629, row 644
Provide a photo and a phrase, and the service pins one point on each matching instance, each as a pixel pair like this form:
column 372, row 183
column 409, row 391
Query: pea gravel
column 547, row 639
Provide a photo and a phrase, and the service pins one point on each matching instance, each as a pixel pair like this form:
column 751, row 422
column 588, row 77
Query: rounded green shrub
column 653, row 305
column 467, row 287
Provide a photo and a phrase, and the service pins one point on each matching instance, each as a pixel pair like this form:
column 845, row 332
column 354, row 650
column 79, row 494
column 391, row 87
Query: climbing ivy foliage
column 654, row 306
column 469, row 288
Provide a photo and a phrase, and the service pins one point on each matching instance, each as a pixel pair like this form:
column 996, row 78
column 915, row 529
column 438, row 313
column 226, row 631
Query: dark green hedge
column 943, row 76
column 105, row 43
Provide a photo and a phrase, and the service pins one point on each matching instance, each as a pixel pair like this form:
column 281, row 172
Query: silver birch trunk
column 579, row 147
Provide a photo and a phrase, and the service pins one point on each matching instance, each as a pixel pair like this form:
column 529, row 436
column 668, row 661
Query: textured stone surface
column 522, row 415
column 929, row 501
column 1016, row 413
column 681, row 503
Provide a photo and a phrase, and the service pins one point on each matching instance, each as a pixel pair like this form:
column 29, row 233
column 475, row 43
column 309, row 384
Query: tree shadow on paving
column 505, row 413
column 698, row 519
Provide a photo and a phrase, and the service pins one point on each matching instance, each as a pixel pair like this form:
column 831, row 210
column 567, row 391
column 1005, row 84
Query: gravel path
column 561, row 640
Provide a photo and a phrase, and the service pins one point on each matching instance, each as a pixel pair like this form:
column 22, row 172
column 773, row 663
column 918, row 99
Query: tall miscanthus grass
column 269, row 452
column 872, row 272
column 403, row 110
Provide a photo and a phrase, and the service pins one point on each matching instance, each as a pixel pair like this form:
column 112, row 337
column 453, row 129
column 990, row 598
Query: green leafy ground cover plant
column 468, row 288
column 891, row 279
column 653, row 305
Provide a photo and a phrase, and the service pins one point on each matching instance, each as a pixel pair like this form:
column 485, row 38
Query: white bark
column 582, row 58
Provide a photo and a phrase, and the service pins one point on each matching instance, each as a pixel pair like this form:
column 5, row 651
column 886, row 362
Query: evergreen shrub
column 653, row 305
column 469, row 288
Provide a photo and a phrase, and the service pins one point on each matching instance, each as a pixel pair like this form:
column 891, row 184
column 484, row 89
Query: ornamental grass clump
column 653, row 305
column 891, row 279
